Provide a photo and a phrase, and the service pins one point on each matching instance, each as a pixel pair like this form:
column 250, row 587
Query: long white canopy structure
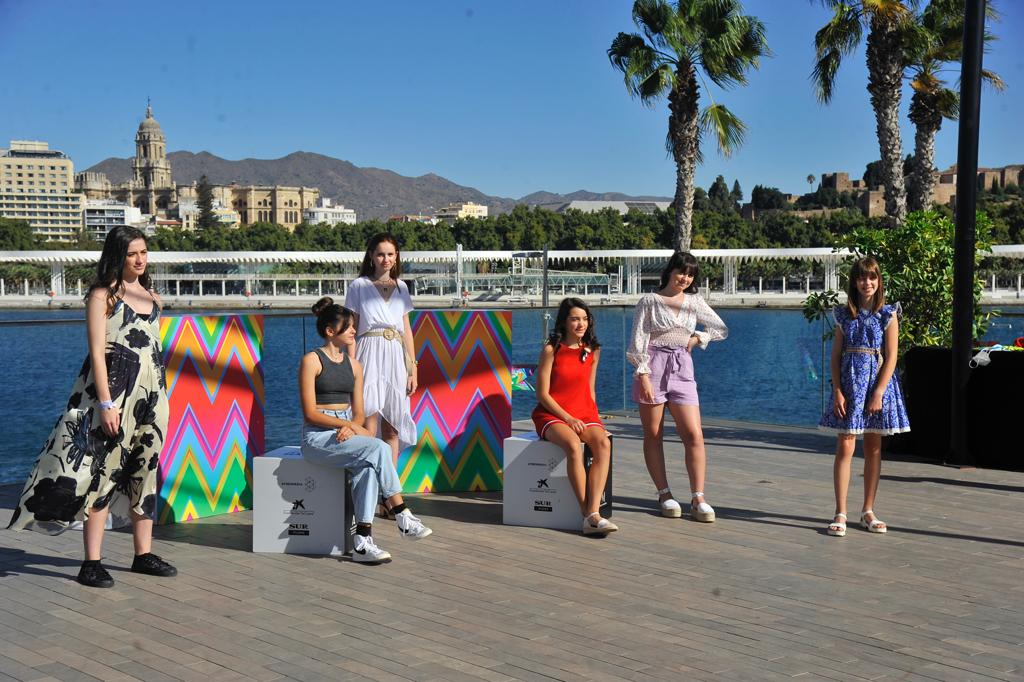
column 451, row 263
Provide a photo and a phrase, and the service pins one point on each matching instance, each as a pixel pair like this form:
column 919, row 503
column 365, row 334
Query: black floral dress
column 80, row 467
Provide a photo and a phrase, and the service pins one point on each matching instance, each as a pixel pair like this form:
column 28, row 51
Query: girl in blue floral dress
column 866, row 398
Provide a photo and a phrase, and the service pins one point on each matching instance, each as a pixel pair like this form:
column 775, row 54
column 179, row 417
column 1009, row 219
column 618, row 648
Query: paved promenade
column 762, row 594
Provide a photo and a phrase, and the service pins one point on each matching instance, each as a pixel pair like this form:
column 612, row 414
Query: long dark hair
column 862, row 267
column 589, row 339
column 685, row 262
column 366, row 269
column 110, row 269
column 329, row 314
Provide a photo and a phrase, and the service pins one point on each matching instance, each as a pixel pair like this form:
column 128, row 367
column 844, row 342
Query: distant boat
column 264, row 306
column 761, row 304
column 65, row 305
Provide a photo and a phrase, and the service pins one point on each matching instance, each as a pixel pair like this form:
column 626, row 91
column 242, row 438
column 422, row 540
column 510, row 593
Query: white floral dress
column 82, row 468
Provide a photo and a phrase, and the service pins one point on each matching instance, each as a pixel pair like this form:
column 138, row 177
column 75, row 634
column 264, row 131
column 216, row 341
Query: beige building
column 188, row 213
column 152, row 190
column 453, row 212
column 37, row 186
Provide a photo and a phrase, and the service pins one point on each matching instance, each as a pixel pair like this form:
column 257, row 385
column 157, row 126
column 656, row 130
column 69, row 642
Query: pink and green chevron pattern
column 463, row 407
column 216, row 395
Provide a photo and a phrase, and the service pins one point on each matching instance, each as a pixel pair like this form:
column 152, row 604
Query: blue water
column 768, row 370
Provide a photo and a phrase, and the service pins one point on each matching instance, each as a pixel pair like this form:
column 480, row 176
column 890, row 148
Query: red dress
column 570, row 388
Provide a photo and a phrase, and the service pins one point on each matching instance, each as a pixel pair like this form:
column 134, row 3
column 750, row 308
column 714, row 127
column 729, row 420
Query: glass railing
column 773, row 368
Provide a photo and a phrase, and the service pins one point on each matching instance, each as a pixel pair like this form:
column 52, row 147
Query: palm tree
column 811, row 179
column 887, row 22
column 679, row 42
column 936, row 42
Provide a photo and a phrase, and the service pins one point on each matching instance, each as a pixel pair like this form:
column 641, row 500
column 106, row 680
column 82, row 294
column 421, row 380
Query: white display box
column 300, row 507
column 536, row 486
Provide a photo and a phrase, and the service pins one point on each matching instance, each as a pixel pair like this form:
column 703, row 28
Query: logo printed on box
column 542, row 505
column 298, row 504
column 298, row 529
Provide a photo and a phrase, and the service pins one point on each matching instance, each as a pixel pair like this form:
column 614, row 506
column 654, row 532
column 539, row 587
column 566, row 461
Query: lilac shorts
column 671, row 377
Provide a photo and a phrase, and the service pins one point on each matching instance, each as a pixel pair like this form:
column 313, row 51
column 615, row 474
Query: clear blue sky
column 507, row 97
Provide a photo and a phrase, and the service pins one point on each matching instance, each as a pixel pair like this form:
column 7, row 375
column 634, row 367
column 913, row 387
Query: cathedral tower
column 151, row 171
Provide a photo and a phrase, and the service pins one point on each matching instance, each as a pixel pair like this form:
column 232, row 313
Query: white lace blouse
column 656, row 323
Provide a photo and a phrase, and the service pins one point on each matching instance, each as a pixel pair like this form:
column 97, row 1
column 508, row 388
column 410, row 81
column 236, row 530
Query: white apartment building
column 102, row 215
column 326, row 211
column 37, row 186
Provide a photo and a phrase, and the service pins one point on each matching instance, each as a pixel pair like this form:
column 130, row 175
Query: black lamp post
column 966, row 201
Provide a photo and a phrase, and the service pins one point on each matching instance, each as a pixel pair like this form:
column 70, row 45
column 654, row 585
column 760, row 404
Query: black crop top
column 335, row 383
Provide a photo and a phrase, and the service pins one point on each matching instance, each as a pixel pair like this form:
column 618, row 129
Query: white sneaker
column 411, row 527
column 365, row 551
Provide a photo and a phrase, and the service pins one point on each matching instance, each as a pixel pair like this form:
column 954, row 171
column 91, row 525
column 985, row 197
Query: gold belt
column 866, row 351
column 394, row 335
column 388, row 334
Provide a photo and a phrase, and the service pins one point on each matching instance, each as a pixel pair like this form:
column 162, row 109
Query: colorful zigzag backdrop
column 216, row 395
column 463, row 407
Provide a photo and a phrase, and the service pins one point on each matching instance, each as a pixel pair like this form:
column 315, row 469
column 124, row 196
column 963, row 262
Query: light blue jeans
column 368, row 458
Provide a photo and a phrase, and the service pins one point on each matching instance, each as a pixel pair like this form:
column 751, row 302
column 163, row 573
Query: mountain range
column 372, row 192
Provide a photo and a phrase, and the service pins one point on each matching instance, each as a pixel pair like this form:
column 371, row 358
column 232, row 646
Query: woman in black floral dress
column 106, row 445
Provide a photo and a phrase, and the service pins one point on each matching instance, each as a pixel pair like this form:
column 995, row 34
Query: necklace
column 327, row 350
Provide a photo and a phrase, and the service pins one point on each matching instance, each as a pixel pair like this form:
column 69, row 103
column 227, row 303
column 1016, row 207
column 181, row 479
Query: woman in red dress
column 566, row 412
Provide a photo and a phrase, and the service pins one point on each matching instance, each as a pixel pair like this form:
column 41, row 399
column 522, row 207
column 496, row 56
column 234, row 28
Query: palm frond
column 947, row 103
column 653, row 18
column 836, row 39
column 727, row 128
column 890, row 10
column 658, row 82
column 824, row 75
column 730, row 43
column 993, row 79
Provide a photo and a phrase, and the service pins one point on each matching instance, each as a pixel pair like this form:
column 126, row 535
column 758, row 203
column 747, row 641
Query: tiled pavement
column 762, row 594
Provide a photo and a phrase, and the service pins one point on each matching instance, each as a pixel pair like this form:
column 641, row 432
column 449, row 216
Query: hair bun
column 322, row 305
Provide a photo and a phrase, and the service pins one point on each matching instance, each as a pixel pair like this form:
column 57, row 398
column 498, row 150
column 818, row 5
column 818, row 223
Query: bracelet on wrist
column 108, row 405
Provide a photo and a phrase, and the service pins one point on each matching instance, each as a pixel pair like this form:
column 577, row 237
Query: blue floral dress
column 858, row 368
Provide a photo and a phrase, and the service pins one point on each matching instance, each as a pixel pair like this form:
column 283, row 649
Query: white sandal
column 838, row 528
column 670, row 509
column 875, row 525
column 702, row 511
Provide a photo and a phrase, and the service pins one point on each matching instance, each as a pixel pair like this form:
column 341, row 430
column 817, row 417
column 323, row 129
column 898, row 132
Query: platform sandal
column 701, row 511
column 670, row 509
column 838, row 528
column 875, row 525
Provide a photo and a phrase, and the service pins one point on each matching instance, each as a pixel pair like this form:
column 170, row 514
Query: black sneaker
column 93, row 574
column 151, row 564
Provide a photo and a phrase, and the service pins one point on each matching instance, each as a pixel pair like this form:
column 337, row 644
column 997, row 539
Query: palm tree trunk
column 927, row 120
column 684, row 142
column 885, row 79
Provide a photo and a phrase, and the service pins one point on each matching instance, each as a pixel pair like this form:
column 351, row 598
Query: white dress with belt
column 385, row 375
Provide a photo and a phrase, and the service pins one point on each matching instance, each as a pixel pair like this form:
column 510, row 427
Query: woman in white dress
column 384, row 345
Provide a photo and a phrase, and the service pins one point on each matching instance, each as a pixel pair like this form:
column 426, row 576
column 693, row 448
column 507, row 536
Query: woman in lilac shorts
column 664, row 332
